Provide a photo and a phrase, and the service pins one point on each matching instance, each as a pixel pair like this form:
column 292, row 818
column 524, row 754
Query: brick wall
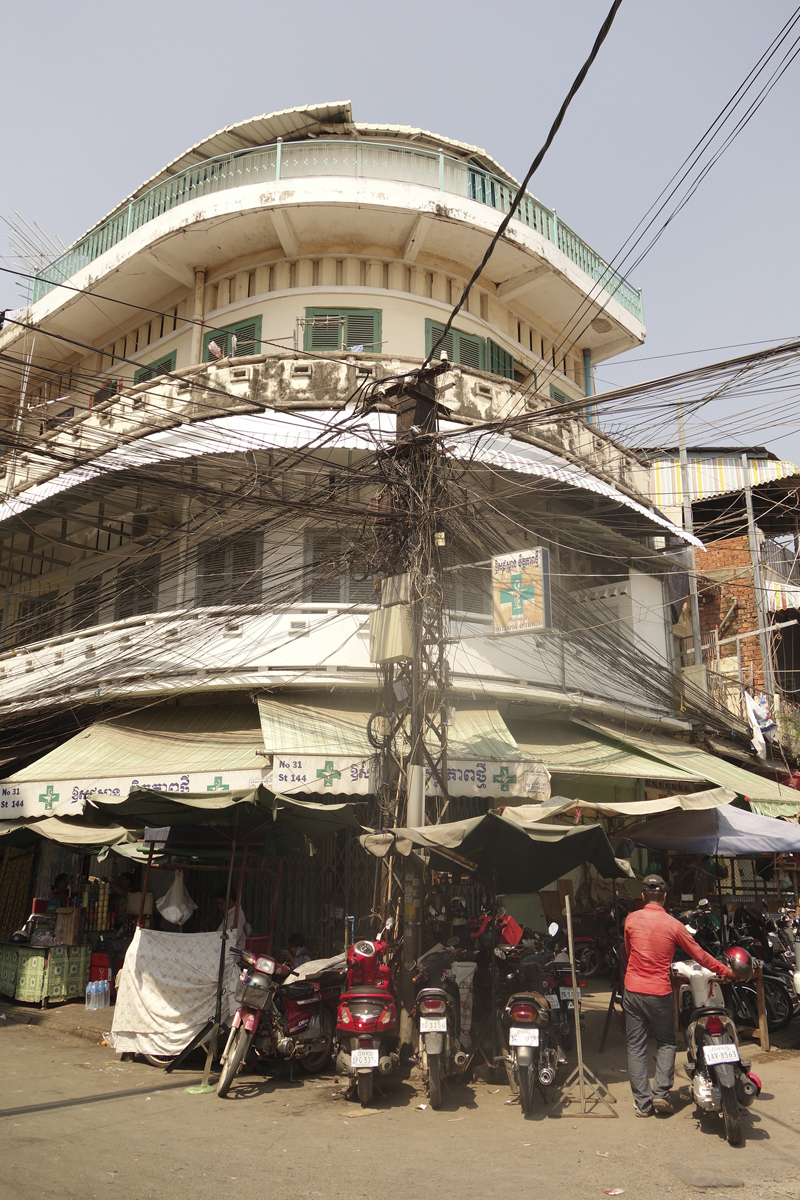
column 726, row 574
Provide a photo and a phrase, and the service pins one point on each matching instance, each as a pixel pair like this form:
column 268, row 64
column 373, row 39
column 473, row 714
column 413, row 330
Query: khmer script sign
column 521, row 591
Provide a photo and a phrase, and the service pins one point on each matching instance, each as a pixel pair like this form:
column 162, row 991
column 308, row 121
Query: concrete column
column 305, row 273
column 241, row 285
column 397, row 277
column 441, row 291
column 351, row 272
column 223, row 293
column 375, row 273
column 283, row 272
column 262, row 280
column 198, row 312
column 327, row 272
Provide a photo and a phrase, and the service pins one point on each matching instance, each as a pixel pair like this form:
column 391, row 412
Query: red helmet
column 741, row 963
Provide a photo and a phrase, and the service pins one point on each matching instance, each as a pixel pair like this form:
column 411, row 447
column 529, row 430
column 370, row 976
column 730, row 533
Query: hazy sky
column 97, row 97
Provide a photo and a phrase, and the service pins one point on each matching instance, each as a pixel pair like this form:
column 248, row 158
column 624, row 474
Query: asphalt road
column 78, row 1124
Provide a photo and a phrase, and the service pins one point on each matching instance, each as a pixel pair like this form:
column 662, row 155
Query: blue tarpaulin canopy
column 727, row 831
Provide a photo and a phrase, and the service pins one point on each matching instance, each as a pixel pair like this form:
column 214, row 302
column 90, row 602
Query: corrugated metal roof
column 338, row 726
column 713, row 477
column 275, row 430
column 568, row 749
column 157, row 740
column 696, row 762
column 296, row 124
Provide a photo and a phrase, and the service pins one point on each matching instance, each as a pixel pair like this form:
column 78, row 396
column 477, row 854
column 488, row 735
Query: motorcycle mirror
column 553, row 928
column 702, row 904
column 452, row 942
column 389, row 923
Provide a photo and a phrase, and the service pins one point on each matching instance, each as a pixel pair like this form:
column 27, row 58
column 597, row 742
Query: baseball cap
column 653, row 883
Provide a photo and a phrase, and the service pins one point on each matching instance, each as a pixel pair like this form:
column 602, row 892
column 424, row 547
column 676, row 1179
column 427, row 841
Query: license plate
column 364, row 1058
column 433, row 1024
column 553, row 1000
column 566, row 993
column 726, row 1052
column 523, row 1037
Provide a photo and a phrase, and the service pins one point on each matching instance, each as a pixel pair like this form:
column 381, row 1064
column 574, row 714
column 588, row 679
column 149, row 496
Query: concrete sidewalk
column 72, row 1019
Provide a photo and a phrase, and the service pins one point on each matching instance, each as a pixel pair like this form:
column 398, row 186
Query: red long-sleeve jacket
column 650, row 938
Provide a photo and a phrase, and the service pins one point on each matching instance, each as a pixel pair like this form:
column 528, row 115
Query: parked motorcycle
column 721, row 1081
column 437, row 1016
column 532, row 1049
column 595, row 952
column 280, row 1018
column 367, row 1025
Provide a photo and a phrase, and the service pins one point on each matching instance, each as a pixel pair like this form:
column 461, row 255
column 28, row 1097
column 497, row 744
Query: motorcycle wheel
column 159, row 1060
column 526, row 1089
column 236, row 1056
column 779, row 1005
column 435, row 1080
column 733, row 1118
column 589, row 962
column 364, row 1086
column 312, row 1064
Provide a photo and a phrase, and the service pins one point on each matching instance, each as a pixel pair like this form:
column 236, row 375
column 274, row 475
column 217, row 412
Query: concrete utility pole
column 414, row 704
column 688, row 525
column 755, row 555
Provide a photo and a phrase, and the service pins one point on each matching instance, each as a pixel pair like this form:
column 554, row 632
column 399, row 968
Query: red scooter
column 280, row 1018
column 366, row 1024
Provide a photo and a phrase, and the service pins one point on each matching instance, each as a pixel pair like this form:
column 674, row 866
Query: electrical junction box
column 390, row 636
column 396, row 590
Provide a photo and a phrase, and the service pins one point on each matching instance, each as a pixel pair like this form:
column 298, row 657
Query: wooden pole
column 576, row 1003
column 144, row 886
column 763, row 1027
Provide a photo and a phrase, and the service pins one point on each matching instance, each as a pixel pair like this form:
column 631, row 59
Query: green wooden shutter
column 163, row 366
column 343, row 328
column 433, row 331
column 460, row 347
column 244, row 559
column 557, row 394
column 499, row 361
column 247, row 334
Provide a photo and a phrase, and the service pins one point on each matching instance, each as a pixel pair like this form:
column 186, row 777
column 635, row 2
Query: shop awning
column 789, row 809
column 319, row 744
column 516, row 855
column 569, row 749
column 697, row 763
column 204, row 748
column 559, row 805
column 713, row 476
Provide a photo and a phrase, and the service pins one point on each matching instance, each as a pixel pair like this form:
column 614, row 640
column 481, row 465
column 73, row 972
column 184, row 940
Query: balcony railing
column 351, row 159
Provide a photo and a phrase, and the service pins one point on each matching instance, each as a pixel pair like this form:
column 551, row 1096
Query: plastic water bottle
column 106, row 994
column 90, row 997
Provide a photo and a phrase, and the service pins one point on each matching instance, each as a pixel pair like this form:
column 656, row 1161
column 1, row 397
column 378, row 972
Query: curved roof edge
column 296, row 124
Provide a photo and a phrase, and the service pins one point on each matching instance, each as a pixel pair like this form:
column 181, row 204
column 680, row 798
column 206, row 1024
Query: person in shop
column 122, row 886
column 60, row 893
column 235, row 918
column 651, row 935
column 296, row 953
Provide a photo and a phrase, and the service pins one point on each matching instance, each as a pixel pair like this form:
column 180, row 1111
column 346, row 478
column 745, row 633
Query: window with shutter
column 460, row 347
column 162, row 367
column 230, row 572
column 330, row 581
column 248, row 339
column 137, row 587
column 500, row 362
column 558, row 395
column 355, row 329
column 86, row 604
column 37, row 617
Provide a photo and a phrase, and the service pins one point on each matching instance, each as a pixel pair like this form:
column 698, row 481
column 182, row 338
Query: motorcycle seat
column 300, row 990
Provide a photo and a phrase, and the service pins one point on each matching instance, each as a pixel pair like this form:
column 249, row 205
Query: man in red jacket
column 651, row 935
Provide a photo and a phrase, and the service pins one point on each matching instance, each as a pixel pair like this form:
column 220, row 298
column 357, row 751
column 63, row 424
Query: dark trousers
column 641, row 1013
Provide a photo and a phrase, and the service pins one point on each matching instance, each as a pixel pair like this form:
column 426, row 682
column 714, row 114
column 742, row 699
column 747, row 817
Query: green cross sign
column 504, row 779
column 218, row 785
column 516, row 595
column 328, row 774
column 49, row 798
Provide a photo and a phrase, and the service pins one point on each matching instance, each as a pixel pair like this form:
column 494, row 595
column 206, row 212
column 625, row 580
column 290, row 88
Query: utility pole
column 688, row 525
column 755, row 555
column 413, row 705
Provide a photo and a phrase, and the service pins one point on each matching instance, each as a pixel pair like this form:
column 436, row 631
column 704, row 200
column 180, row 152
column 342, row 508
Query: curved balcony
column 342, row 158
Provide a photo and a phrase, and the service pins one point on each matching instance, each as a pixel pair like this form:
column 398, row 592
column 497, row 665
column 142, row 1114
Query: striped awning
column 781, row 595
column 713, row 477
column 191, row 749
column 789, row 809
column 319, row 744
column 703, row 766
column 569, row 749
